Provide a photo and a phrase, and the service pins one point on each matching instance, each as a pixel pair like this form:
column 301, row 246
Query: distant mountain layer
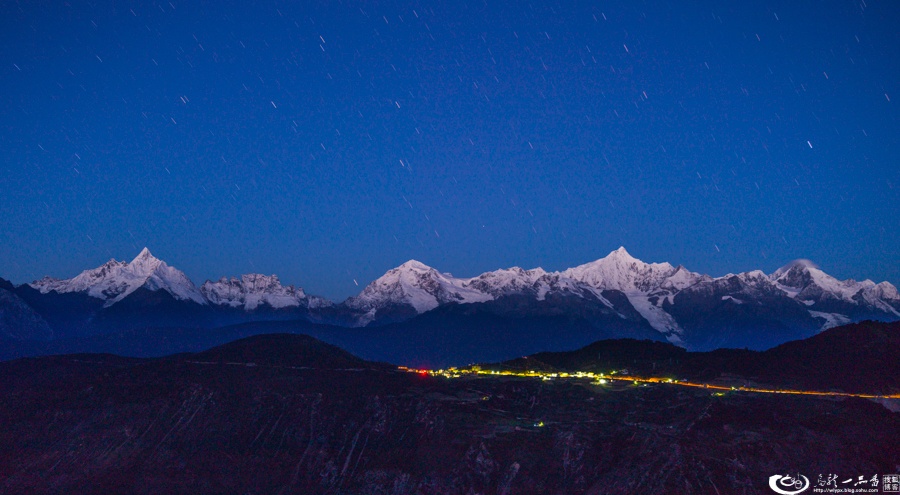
column 612, row 295
column 450, row 335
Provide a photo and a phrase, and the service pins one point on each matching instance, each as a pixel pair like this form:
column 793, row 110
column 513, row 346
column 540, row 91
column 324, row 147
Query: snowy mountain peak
column 513, row 280
column 754, row 282
column 414, row 266
column 260, row 281
column 754, row 274
column 885, row 290
column 642, row 283
column 414, row 284
column 798, row 263
column 84, row 281
column 795, row 271
column 621, row 271
column 622, row 254
column 144, row 254
column 806, row 282
column 115, row 280
column 145, row 263
column 681, row 278
column 254, row 289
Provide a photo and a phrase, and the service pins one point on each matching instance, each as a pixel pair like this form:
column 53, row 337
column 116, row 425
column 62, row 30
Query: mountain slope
column 743, row 310
column 18, row 320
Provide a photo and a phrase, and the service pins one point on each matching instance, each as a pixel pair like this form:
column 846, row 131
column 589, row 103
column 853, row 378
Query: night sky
column 327, row 142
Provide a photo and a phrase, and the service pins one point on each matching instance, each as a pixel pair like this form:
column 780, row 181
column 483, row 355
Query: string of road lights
column 606, row 378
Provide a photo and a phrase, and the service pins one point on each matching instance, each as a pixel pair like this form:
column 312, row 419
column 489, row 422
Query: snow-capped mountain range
column 651, row 288
column 685, row 307
column 805, row 282
column 115, row 280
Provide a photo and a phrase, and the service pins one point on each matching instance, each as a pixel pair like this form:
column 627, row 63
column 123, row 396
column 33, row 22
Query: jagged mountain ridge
column 414, row 285
column 810, row 296
column 253, row 290
column 805, row 282
column 423, row 288
column 687, row 308
column 115, row 280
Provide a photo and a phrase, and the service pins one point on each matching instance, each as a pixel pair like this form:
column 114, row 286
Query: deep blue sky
column 328, row 142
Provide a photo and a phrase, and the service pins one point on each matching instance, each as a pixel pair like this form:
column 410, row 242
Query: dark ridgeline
column 858, row 358
column 290, row 414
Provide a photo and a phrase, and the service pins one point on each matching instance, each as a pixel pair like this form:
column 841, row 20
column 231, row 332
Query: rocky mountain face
column 752, row 309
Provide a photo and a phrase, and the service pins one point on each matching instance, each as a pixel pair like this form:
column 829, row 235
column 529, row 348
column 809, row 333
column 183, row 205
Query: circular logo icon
column 787, row 484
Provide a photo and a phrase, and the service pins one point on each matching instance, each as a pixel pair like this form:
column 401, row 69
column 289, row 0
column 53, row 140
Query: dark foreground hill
column 289, row 414
column 857, row 358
